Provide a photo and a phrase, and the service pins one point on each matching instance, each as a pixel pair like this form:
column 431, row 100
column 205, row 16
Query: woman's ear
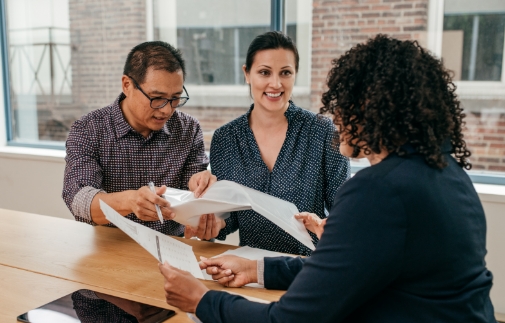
column 246, row 74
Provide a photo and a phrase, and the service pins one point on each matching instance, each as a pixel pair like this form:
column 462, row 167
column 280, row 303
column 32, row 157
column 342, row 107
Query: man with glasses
column 114, row 152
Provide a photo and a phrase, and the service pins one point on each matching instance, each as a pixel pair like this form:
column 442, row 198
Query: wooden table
column 43, row 258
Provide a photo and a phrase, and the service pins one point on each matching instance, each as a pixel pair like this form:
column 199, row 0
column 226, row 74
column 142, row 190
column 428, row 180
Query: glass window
column 473, row 42
column 39, row 67
column 65, row 57
column 473, row 48
column 213, row 35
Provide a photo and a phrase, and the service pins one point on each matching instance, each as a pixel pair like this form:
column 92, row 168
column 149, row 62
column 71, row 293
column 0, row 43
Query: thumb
column 165, row 268
column 160, row 190
column 202, row 185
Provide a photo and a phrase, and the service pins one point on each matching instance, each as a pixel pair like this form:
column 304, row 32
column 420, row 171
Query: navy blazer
column 404, row 242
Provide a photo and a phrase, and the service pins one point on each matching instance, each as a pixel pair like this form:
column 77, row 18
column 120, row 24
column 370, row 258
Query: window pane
column 39, row 67
column 474, row 46
column 213, row 35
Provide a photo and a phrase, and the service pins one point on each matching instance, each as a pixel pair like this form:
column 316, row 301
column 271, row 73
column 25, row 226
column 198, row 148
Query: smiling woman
column 277, row 148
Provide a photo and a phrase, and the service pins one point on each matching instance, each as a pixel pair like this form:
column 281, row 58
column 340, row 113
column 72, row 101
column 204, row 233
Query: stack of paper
column 226, row 196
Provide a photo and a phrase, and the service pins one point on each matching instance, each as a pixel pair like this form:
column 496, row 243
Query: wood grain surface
column 46, row 249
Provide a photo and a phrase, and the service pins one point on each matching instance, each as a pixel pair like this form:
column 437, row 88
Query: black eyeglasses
column 159, row 102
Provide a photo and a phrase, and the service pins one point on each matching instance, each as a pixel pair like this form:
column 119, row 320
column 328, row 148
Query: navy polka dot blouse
column 307, row 172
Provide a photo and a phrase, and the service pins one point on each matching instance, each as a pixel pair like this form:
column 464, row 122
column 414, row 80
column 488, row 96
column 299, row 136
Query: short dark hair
column 400, row 94
column 270, row 40
column 158, row 55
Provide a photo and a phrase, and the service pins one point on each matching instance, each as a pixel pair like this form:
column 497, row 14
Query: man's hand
column 312, row 222
column 181, row 288
column 200, row 182
column 208, row 227
column 142, row 203
column 231, row 271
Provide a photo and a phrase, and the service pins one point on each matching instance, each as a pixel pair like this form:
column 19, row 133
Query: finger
column 212, row 180
column 214, row 262
column 210, row 223
column 146, row 214
column 300, row 216
column 165, row 269
column 214, row 270
column 216, row 227
column 160, row 190
column 167, row 213
column 225, row 280
column 202, row 226
column 188, row 232
column 202, row 185
column 221, row 274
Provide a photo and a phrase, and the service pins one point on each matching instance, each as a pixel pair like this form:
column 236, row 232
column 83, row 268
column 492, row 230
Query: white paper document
column 162, row 247
column 226, row 196
column 253, row 253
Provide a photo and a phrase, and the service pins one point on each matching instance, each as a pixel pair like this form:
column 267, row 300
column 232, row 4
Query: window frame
column 231, row 95
column 466, row 89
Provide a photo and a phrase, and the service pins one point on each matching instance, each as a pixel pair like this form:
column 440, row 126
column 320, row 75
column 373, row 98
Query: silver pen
column 158, row 210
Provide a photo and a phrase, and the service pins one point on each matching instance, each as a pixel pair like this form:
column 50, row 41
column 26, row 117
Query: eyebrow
column 287, row 66
column 159, row 93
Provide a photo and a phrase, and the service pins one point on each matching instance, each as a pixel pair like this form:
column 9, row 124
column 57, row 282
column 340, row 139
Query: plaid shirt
column 105, row 154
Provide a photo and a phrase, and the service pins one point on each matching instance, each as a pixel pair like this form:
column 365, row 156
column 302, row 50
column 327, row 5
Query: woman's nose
column 275, row 81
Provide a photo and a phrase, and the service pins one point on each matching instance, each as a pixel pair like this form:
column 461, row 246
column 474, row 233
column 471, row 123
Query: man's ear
column 127, row 85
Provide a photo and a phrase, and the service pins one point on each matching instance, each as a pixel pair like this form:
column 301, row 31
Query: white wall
column 32, row 184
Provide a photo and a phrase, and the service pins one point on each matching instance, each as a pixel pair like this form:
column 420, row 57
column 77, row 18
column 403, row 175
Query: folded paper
column 226, row 196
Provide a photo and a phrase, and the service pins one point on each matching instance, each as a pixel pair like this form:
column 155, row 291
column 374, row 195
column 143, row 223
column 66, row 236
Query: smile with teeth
column 273, row 95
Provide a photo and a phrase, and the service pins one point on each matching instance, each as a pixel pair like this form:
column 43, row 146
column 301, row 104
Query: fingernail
column 228, row 272
column 203, row 258
column 172, row 215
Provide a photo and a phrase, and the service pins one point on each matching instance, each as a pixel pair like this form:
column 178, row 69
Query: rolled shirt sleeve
column 83, row 174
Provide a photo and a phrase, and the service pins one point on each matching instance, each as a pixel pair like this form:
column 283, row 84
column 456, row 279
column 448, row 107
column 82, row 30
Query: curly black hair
column 397, row 93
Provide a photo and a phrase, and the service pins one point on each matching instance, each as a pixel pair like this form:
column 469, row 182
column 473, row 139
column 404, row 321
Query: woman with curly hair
column 405, row 238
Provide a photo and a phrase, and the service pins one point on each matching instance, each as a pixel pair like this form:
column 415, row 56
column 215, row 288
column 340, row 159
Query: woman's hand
column 312, row 222
column 231, row 271
column 182, row 290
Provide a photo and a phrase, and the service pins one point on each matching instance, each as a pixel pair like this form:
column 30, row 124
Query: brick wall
column 102, row 33
column 485, row 133
column 338, row 25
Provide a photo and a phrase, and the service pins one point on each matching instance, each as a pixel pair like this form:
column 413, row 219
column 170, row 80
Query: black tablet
column 85, row 306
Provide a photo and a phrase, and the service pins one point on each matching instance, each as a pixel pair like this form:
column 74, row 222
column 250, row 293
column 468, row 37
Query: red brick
column 497, row 168
column 403, row 6
column 494, row 138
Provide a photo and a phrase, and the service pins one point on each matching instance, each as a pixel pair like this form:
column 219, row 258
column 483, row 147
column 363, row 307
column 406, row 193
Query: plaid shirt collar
column 122, row 127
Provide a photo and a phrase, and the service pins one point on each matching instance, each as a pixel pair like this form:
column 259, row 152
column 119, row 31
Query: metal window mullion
column 5, row 70
column 277, row 15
